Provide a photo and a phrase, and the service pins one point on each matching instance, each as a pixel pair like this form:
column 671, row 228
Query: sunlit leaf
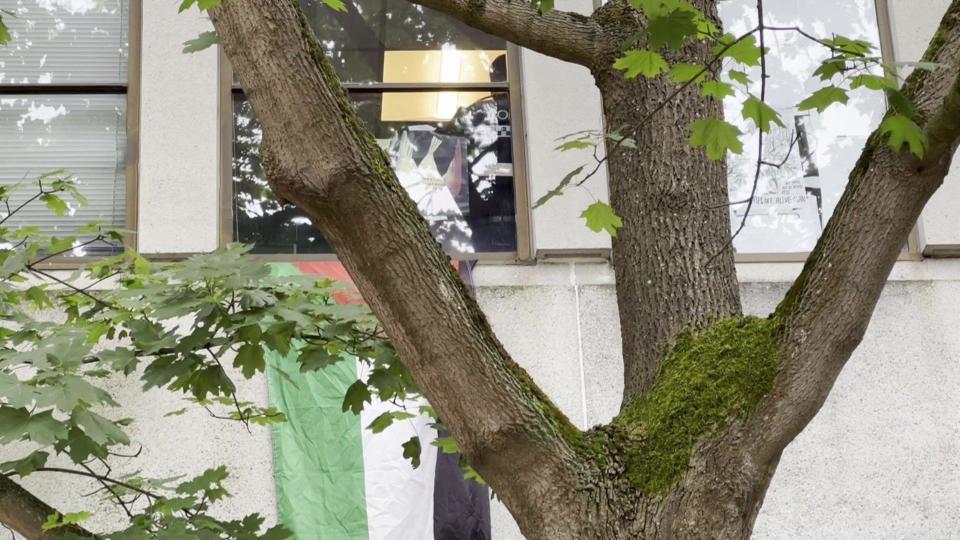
column 717, row 89
column 760, row 113
column 716, row 136
column 601, row 217
column 744, row 51
column 823, row 98
column 641, row 62
column 5, row 36
column 901, row 130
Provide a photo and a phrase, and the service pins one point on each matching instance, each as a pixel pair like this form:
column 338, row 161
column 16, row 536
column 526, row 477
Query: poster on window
column 806, row 162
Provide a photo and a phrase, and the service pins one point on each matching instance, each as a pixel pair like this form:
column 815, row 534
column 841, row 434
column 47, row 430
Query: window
column 64, row 81
column 437, row 96
column 794, row 202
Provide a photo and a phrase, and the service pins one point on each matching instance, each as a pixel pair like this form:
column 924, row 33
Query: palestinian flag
column 337, row 480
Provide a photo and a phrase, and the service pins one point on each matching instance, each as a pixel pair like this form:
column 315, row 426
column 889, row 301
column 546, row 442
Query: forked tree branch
column 568, row 36
column 828, row 308
column 319, row 156
column 21, row 511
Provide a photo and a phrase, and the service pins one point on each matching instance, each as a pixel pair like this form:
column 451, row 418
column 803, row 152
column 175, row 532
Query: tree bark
column 318, row 155
column 26, row 514
column 674, row 268
column 673, row 271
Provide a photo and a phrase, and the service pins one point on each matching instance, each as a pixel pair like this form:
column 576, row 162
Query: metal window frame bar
column 524, row 251
column 132, row 91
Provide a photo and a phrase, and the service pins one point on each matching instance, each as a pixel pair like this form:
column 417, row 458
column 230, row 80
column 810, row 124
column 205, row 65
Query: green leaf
column 621, row 141
column 98, row 428
column 576, row 144
column 25, row 466
column 447, row 445
column 925, row 66
column 872, row 82
column 762, row 114
column 851, row 48
column 201, row 42
column 336, row 5
column 5, row 36
column 900, row 102
column 672, row 28
column 471, row 474
column 56, row 204
column 357, row 394
column 823, row 98
column 601, row 217
column 44, row 429
column 641, row 62
column 250, row 359
column 716, row 136
column 830, row 67
column 739, row 76
column 684, row 73
column 543, row 6
column 207, row 479
column 387, row 419
column 316, row 358
column 744, row 51
column 278, row 336
column 56, row 521
column 902, row 130
column 559, row 189
column 717, row 89
column 411, row 451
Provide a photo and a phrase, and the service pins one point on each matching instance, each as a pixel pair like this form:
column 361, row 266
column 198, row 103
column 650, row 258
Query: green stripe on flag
column 318, row 451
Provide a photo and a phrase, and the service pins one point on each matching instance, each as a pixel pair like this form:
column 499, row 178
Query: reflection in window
column 63, row 82
column 368, row 41
column 451, row 147
column 793, row 203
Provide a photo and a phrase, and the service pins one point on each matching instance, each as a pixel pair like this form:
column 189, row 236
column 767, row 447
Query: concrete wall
column 879, row 461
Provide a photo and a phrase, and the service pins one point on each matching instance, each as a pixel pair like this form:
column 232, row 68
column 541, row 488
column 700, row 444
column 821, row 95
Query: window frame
column 524, row 252
column 132, row 92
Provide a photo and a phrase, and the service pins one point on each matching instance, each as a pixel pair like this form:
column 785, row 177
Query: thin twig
column 759, row 167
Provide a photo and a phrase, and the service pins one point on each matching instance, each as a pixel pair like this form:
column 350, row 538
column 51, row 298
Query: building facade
column 168, row 148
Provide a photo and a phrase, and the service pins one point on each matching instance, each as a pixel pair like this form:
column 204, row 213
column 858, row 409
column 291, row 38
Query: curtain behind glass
column 65, row 42
column 84, row 135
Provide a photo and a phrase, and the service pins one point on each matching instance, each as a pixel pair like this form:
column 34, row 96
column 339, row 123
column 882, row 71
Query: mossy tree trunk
column 672, row 465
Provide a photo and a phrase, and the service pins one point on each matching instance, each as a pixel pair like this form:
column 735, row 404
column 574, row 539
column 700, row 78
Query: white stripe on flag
column 399, row 497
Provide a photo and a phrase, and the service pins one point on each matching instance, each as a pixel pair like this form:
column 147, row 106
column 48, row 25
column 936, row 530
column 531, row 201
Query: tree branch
column 26, row 514
column 828, row 308
column 568, row 36
column 319, row 156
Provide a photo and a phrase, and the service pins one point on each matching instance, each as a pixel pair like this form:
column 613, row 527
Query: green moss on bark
column 709, row 377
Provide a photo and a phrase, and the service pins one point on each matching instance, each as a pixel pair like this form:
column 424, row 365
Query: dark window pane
column 397, row 41
column 451, row 150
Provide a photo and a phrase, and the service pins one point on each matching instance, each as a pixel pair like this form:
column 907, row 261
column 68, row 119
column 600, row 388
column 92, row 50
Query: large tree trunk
column 674, row 268
column 673, row 272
